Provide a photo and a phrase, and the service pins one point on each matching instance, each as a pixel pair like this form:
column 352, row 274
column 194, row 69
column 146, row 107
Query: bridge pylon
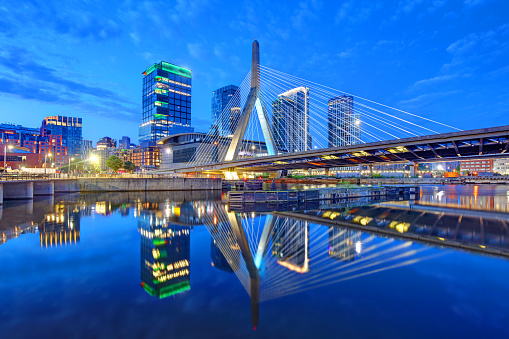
column 254, row 101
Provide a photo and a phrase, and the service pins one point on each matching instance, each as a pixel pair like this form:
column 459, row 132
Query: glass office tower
column 69, row 128
column 290, row 121
column 221, row 98
column 344, row 122
column 166, row 102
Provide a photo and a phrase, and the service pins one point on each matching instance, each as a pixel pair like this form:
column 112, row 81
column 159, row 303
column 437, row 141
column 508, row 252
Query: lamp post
column 93, row 159
column 45, row 161
column 69, row 168
column 5, row 157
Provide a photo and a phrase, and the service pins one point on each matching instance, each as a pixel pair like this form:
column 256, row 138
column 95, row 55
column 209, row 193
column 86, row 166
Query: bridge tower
column 254, row 101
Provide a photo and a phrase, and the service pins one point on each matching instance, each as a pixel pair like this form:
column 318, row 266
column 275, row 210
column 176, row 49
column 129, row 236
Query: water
column 84, row 267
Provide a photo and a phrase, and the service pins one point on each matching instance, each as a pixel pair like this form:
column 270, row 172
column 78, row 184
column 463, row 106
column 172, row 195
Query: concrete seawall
column 147, row 184
column 27, row 189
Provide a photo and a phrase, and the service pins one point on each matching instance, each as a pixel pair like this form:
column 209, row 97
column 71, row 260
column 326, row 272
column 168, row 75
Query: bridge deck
column 492, row 142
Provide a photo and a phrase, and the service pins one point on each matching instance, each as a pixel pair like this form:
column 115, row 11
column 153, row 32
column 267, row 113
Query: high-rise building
column 50, row 145
column 290, row 121
column 166, row 102
column 105, row 148
column 225, row 98
column 106, row 142
column 70, row 130
column 344, row 124
column 146, row 156
column 124, row 143
column 86, row 148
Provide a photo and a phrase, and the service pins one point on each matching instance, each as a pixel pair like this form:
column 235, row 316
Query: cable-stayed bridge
column 278, row 121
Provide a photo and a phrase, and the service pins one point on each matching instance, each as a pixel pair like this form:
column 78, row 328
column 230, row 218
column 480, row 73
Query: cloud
column 409, row 6
column 23, row 64
column 28, row 91
column 304, row 13
column 63, row 18
column 424, row 99
column 198, row 51
column 35, row 81
column 433, row 81
column 474, row 3
column 351, row 13
column 435, row 5
column 345, row 54
column 475, row 43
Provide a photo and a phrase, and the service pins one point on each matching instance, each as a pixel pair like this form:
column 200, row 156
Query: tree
column 114, row 163
column 457, row 169
column 129, row 166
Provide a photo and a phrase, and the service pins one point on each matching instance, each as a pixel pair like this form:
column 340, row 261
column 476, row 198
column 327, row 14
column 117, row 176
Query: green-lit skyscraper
column 166, row 102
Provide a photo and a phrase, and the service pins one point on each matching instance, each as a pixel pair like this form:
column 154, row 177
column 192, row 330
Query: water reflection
column 286, row 254
column 472, row 197
column 165, row 255
column 271, row 254
column 60, row 227
column 57, row 219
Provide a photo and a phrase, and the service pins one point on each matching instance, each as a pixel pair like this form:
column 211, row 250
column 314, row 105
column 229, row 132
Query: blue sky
column 446, row 60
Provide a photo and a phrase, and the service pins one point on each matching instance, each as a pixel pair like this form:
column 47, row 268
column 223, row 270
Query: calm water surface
column 179, row 265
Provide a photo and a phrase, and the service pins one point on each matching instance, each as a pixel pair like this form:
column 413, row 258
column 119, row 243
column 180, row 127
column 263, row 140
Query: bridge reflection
column 274, row 255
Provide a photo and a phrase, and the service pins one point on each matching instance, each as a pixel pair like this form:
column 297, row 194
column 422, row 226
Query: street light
column 69, row 168
column 92, row 159
column 45, row 160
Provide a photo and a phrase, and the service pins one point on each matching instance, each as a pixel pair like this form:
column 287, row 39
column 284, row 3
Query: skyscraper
column 86, row 148
column 70, row 130
column 166, row 102
column 221, row 100
column 290, row 121
column 124, row 143
column 344, row 123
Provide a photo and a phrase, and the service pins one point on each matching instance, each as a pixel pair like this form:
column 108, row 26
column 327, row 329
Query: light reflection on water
column 134, row 254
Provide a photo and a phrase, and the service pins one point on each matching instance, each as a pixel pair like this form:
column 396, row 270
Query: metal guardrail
column 9, row 176
column 25, row 176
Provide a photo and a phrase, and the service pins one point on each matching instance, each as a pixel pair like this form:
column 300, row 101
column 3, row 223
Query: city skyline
column 441, row 66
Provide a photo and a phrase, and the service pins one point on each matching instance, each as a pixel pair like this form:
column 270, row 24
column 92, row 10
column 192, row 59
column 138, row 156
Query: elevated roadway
column 470, row 144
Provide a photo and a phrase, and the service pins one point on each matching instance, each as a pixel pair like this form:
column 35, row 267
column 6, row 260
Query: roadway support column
column 370, row 170
column 309, row 171
column 413, row 168
column 44, row 187
column 14, row 190
column 326, row 172
column 360, row 170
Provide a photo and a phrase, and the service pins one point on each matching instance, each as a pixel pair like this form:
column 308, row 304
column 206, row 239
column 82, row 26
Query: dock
column 240, row 199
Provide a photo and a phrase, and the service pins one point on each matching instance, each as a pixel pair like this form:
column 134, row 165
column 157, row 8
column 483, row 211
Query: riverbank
column 28, row 189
